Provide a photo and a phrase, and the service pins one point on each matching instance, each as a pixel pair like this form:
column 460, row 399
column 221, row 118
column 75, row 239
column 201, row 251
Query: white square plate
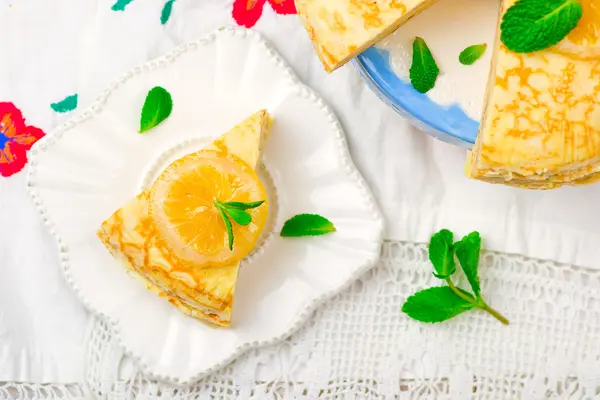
column 87, row 169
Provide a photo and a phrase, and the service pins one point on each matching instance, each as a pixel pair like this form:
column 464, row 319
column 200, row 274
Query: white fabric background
column 54, row 49
column 360, row 346
column 418, row 181
column 42, row 325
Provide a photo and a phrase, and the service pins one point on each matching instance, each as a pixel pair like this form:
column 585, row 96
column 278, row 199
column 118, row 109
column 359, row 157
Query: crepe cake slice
column 541, row 124
column 342, row 29
column 132, row 236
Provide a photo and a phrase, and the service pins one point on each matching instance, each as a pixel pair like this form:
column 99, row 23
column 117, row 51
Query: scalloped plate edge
column 343, row 156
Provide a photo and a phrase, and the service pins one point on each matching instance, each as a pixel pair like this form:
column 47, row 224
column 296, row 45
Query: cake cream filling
column 191, row 307
column 565, row 174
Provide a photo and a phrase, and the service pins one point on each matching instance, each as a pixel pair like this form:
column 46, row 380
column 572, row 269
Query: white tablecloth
column 51, row 50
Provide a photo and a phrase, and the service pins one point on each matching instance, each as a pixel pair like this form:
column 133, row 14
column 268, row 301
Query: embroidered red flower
column 247, row 12
column 16, row 139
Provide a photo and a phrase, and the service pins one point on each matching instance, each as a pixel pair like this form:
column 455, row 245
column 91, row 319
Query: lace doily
column 32, row 391
column 360, row 345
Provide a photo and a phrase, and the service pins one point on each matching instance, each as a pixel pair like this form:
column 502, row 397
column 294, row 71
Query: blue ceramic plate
column 451, row 111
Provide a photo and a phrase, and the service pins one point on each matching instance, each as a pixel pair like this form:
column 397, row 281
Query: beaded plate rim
column 343, row 157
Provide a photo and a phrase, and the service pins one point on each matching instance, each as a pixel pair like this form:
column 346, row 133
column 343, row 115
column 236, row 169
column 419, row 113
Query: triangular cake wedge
column 541, row 125
column 342, row 29
column 132, row 236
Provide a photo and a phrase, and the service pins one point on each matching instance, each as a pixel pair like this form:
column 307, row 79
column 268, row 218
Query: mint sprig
column 423, row 70
column 307, row 225
column 157, row 107
column 441, row 303
column 533, row 25
column 472, row 53
column 237, row 212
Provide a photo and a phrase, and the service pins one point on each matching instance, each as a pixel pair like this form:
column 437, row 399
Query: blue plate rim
column 448, row 123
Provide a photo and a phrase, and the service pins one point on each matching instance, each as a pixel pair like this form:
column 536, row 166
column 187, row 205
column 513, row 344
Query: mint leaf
column 307, row 225
column 472, row 54
column 157, row 108
column 435, row 304
column 241, row 217
column 467, row 252
column 235, row 211
column 228, row 227
column 532, row 25
column 166, row 12
column 441, row 254
column 67, row 104
column 424, row 70
column 243, row 206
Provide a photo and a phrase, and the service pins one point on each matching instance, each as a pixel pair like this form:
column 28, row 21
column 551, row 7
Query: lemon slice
column 182, row 202
column 584, row 41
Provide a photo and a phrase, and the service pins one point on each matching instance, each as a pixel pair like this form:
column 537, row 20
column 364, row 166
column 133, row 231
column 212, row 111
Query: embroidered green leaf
column 424, row 70
column 441, row 254
column 532, row 25
column 157, row 108
column 307, row 225
column 120, row 5
column 435, row 304
column 472, row 54
column 67, row 104
column 166, row 12
column 467, row 252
